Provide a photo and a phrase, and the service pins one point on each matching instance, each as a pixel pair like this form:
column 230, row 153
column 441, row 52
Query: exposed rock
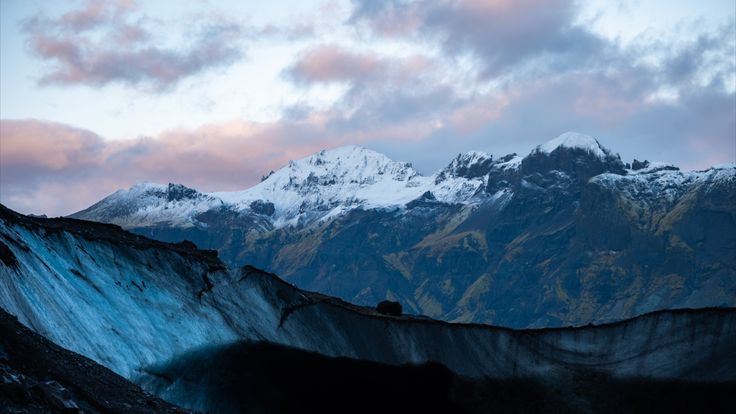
column 178, row 192
column 262, row 207
column 388, row 307
column 638, row 165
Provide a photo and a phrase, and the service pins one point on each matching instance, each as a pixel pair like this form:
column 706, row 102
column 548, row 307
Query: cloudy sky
column 98, row 95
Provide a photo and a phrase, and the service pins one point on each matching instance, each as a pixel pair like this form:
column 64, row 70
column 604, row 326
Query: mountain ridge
column 568, row 234
column 345, row 178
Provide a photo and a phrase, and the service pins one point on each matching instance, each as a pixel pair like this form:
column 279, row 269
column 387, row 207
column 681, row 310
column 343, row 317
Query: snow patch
column 512, row 164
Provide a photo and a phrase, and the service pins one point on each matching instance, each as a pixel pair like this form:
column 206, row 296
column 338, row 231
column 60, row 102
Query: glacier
column 129, row 303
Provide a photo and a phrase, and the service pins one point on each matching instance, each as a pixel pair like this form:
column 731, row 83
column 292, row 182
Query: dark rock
column 56, row 396
column 187, row 244
column 462, row 166
column 263, row 207
column 265, row 177
column 639, row 165
column 177, row 192
column 388, row 307
column 7, row 256
column 12, row 386
column 575, row 162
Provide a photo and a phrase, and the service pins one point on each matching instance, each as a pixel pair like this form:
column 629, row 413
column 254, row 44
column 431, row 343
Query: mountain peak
column 347, row 164
column 573, row 140
column 145, row 186
column 472, row 164
column 333, row 180
column 351, row 150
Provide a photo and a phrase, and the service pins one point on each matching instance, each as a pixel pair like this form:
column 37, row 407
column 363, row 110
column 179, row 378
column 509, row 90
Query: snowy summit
column 573, row 140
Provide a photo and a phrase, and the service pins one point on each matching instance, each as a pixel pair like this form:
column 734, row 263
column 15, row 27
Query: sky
column 99, row 95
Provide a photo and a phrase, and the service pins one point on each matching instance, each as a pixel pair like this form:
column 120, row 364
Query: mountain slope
column 565, row 235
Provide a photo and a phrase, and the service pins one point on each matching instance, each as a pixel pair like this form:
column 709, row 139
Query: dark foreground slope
column 268, row 378
column 38, row 376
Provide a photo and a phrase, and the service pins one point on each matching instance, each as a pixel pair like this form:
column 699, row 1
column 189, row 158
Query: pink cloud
column 47, row 145
column 94, row 13
column 57, row 169
column 104, row 42
column 333, row 63
column 328, row 63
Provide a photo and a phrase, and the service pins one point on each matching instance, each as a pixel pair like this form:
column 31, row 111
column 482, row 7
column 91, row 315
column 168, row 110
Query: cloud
column 498, row 76
column 94, row 13
column 380, row 89
column 56, row 169
column 502, row 34
column 105, row 42
column 332, row 63
column 667, row 99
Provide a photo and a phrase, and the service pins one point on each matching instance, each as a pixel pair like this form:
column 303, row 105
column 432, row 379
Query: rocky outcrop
column 388, row 307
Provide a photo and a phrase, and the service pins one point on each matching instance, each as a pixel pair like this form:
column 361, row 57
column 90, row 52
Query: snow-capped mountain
column 317, row 187
column 134, row 305
column 567, row 234
column 324, row 185
column 574, row 140
column 146, row 203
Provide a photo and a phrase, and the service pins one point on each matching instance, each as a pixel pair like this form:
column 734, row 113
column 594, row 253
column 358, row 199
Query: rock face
column 388, row 307
column 132, row 304
column 565, row 235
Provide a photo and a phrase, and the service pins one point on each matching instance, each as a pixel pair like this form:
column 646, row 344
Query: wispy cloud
column 57, row 169
column 380, row 89
column 108, row 42
column 502, row 34
column 332, row 63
